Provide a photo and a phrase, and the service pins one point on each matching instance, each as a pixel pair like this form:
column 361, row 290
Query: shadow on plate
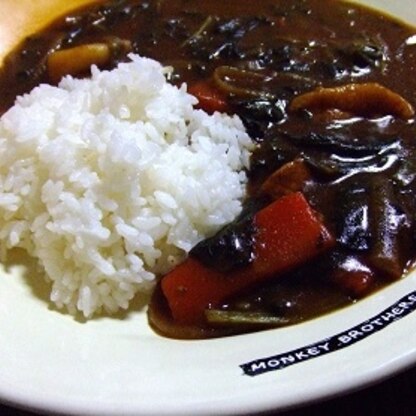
column 33, row 276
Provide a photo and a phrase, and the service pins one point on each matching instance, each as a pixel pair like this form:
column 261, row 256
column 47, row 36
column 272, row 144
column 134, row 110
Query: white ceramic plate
column 49, row 362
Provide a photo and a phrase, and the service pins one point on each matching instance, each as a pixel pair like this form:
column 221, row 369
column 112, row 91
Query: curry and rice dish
column 256, row 169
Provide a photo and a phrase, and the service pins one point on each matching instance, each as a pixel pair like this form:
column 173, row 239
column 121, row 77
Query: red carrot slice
column 354, row 277
column 289, row 233
column 209, row 98
column 356, row 283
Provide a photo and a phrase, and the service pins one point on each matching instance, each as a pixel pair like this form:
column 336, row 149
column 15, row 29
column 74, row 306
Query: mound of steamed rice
column 110, row 181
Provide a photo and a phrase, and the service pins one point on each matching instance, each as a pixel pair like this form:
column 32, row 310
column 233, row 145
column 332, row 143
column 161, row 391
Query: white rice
column 110, row 181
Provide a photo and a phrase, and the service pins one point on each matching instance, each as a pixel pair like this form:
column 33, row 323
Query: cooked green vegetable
column 237, row 318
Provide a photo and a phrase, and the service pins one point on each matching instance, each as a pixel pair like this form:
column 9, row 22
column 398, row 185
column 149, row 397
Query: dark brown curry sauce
column 264, row 54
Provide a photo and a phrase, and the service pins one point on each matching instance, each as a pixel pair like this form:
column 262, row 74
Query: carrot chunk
column 210, row 99
column 288, row 234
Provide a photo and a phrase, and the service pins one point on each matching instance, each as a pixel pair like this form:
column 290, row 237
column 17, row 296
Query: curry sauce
column 327, row 91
